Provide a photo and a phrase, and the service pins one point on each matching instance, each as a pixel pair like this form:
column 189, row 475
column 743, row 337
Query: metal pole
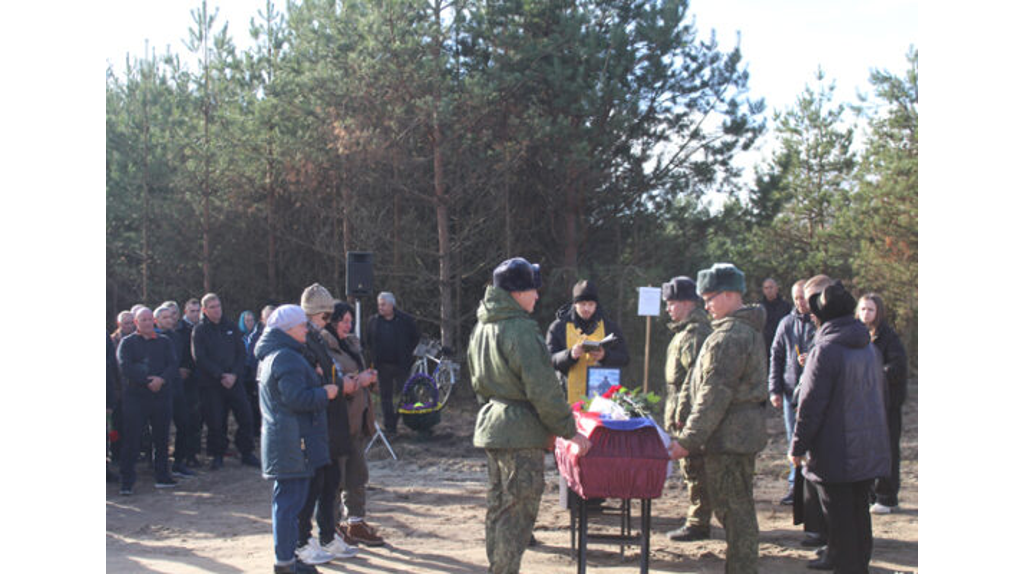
column 359, row 314
column 647, row 352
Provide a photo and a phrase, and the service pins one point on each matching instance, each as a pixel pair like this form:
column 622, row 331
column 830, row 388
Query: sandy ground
column 430, row 504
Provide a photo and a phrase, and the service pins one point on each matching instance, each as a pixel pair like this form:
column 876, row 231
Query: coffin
column 627, row 459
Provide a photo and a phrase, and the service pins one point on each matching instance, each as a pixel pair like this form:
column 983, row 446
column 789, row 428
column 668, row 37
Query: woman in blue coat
column 294, row 434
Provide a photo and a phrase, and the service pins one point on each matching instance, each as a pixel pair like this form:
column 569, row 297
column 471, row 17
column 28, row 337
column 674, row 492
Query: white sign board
column 649, row 303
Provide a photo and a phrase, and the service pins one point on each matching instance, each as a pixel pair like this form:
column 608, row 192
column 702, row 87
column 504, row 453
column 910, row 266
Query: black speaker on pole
column 359, row 274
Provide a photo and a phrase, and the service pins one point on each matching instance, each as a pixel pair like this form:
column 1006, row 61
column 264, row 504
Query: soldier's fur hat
column 517, row 274
column 721, row 277
column 680, row 288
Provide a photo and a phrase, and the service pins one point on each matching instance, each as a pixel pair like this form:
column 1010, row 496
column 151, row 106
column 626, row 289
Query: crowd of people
column 298, row 378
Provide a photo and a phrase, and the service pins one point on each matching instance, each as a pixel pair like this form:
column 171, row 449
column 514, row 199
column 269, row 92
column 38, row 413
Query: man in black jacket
column 841, row 438
column 775, row 307
column 583, row 319
column 148, row 364
column 166, row 317
column 187, row 443
column 220, row 361
column 391, row 337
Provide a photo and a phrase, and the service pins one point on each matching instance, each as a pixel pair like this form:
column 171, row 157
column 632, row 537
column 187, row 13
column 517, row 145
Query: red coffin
column 619, row 464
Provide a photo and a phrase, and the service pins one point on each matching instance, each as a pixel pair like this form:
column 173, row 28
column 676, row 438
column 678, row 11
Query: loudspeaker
column 359, row 274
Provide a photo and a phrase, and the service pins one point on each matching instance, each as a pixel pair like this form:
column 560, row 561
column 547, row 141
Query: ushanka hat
column 680, row 288
column 517, row 274
column 721, row 277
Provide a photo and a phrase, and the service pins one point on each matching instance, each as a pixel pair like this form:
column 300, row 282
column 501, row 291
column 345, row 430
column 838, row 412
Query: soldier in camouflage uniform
column 691, row 326
column 523, row 409
column 726, row 419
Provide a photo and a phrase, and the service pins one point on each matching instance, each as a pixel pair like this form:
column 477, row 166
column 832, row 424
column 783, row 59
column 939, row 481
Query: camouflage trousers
column 698, row 514
column 730, row 488
column 515, row 486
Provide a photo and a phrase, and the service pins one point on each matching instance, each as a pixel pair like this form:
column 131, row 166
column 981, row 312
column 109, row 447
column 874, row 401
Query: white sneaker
column 877, row 508
column 339, row 549
column 311, row 553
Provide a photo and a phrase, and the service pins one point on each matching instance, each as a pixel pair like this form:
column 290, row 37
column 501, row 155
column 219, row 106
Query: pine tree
column 884, row 215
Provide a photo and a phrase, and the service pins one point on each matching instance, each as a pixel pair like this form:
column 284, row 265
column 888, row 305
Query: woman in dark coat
column 840, row 437
column 871, row 312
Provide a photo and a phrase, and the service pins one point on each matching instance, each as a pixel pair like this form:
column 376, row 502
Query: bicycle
column 445, row 374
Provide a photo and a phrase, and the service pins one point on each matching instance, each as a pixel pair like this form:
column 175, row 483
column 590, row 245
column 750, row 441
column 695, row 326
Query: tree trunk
column 145, row 180
column 268, row 181
column 443, row 240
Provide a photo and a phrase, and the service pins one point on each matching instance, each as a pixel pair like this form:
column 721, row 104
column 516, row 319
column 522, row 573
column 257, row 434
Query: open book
column 589, row 345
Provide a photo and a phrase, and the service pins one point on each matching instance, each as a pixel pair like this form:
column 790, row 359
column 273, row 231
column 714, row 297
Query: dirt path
column 430, row 506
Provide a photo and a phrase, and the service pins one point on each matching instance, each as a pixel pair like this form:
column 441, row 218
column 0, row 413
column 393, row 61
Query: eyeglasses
column 327, row 317
column 712, row 298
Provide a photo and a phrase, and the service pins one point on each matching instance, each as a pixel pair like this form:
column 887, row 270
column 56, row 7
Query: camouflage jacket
column 690, row 334
column 727, row 390
column 511, row 372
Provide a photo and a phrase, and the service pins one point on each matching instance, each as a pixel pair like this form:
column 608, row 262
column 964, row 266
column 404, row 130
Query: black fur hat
column 517, row 274
column 680, row 288
column 834, row 302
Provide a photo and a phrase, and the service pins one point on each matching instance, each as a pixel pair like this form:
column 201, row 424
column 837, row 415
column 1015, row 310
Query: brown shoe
column 363, row 533
column 342, row 530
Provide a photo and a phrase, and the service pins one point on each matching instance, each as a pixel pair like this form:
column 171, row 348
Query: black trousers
column 188, row 439
column 814, row 518
column 180, row 415
column 390, row 379
column 848, row 520
column 323, row 498
column 252, row 392
column 139, row 407
column 216, row 402
column 887, row 489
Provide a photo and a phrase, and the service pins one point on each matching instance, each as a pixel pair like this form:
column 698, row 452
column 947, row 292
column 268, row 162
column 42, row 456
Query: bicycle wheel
column 445, row 377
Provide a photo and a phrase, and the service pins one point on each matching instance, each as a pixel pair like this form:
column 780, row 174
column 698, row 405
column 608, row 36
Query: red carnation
column 610, row 392
column 114, row 436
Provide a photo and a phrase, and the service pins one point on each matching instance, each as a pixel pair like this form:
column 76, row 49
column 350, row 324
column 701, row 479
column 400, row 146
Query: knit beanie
column 317, row 299
column 584, row 291
column 721, row 277
column 285, row 317
column 680, row 288
column 517, row 274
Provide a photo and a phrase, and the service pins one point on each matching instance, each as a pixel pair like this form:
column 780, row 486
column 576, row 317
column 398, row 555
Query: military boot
column 689, row 533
